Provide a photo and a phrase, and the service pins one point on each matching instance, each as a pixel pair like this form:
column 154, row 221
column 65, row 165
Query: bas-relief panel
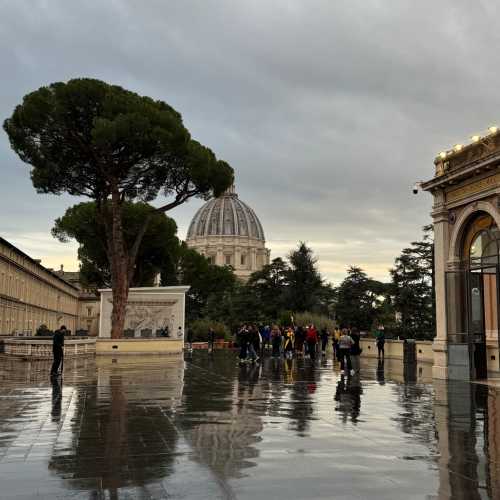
column 147, row 310
column 153, row 315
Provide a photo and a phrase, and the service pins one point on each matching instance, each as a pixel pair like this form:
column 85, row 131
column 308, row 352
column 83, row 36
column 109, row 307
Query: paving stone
column 205, row 427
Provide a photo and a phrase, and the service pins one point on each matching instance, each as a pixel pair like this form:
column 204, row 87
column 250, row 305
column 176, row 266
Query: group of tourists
column 300, row 341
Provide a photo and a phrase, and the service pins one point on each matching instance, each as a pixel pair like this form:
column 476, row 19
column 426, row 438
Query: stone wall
column 41, row 348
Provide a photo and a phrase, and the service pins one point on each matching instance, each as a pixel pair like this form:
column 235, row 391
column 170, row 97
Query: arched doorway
column 472, row 299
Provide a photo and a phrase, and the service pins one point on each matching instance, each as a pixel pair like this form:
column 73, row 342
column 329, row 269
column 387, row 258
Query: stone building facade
column 228, row 232
column 466, row 215
column 31, row 295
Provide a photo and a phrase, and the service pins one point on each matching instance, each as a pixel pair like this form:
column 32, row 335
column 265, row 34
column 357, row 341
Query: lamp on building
column 493, row 129
column 476, row 138
column 458, row 147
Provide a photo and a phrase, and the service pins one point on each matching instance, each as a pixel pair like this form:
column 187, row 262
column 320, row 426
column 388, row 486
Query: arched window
column 481, row 245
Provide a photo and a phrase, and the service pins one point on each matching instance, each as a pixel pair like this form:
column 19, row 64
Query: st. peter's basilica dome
column 227, row 231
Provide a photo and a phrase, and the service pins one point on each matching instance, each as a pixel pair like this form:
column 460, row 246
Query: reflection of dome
column 228, row 232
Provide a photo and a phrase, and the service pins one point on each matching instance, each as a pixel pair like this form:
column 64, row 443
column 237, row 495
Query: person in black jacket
column 57, row 350
column 355, row 349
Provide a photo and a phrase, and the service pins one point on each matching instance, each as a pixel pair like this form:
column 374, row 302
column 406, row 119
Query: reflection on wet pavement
column 205, row 427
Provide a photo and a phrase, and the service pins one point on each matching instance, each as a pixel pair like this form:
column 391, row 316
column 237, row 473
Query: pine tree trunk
column 119, row 269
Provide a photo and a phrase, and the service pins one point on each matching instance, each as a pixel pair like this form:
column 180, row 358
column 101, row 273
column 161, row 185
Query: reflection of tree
column 119, row 429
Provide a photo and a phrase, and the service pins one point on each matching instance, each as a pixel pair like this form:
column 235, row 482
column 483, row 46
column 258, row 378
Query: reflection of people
column 380, row 372
column 348, row 396
column 57, row 350
column 56, row 399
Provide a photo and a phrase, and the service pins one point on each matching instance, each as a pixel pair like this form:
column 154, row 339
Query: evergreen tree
column 413, row 290
column 305, row 284
column 358, row 299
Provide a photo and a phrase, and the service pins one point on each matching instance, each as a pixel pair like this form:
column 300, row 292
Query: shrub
column 318, row 320
column 200, row 330
column 43, row 331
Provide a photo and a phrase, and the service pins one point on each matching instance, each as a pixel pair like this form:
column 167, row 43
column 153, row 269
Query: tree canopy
column 156, row 252
column 88, row 138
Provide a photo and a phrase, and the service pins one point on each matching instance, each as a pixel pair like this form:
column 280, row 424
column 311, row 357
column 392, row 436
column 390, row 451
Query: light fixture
column 493, row 129
column 475, row 138
column 458, row 147
column 442, row 155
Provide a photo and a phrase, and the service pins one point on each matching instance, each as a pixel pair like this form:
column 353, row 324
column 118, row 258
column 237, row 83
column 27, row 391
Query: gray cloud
column 329, row 111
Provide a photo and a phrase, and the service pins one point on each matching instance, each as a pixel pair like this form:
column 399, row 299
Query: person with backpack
column 58, row 350
column 345, row 344
column 254, row 341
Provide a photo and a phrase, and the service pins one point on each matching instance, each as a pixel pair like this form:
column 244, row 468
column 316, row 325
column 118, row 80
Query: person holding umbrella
column 58, row 351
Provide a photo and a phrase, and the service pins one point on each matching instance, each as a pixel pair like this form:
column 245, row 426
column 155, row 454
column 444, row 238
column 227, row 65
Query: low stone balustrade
column 41, row 347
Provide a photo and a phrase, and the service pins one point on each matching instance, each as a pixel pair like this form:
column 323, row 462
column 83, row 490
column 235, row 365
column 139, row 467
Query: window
column 228, row 260
column 243, row 260
column 211, row 259
column 89, row 311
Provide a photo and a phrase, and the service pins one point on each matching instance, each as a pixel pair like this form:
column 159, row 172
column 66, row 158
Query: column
column 441, row 248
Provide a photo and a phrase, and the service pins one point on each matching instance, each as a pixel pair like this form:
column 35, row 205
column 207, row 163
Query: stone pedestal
column 153, row 314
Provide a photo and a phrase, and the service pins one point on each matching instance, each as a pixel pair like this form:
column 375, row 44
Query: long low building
column 32, row 295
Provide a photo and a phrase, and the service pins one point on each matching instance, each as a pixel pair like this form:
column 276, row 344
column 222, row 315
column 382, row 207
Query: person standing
column 345, row 344
column 380, row 339
column 289, row 343
column 276, row 341
column 312, row 341
column 324, row 340
column 254, row 341
column 355, row 349
column 211, row 339
column 299, row 341
column 243, row 343
column 335, row 343
column 58, row 350
column 265, row 334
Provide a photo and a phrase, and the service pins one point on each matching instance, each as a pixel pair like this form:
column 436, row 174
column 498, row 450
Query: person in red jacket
column 312, row 340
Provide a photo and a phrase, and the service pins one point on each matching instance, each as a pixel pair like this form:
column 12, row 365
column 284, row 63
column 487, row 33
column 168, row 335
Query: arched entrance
column 472, row 299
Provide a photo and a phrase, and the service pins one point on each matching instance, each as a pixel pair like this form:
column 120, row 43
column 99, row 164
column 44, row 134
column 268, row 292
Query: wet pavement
column 203, row 427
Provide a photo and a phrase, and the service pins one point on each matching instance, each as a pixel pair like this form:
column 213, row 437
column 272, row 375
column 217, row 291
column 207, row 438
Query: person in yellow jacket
column 335, row 342
column 288, row 344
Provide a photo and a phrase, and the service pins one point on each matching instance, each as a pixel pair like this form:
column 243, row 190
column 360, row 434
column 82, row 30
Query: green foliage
column 156, row 252
column 412, row 289
column 318, row 320
column 358, row 299
column 200, row 329
column 87, row 138
column 304, row 280
column 44, row 331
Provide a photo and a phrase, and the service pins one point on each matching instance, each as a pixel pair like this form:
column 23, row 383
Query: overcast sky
column 328, row 110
